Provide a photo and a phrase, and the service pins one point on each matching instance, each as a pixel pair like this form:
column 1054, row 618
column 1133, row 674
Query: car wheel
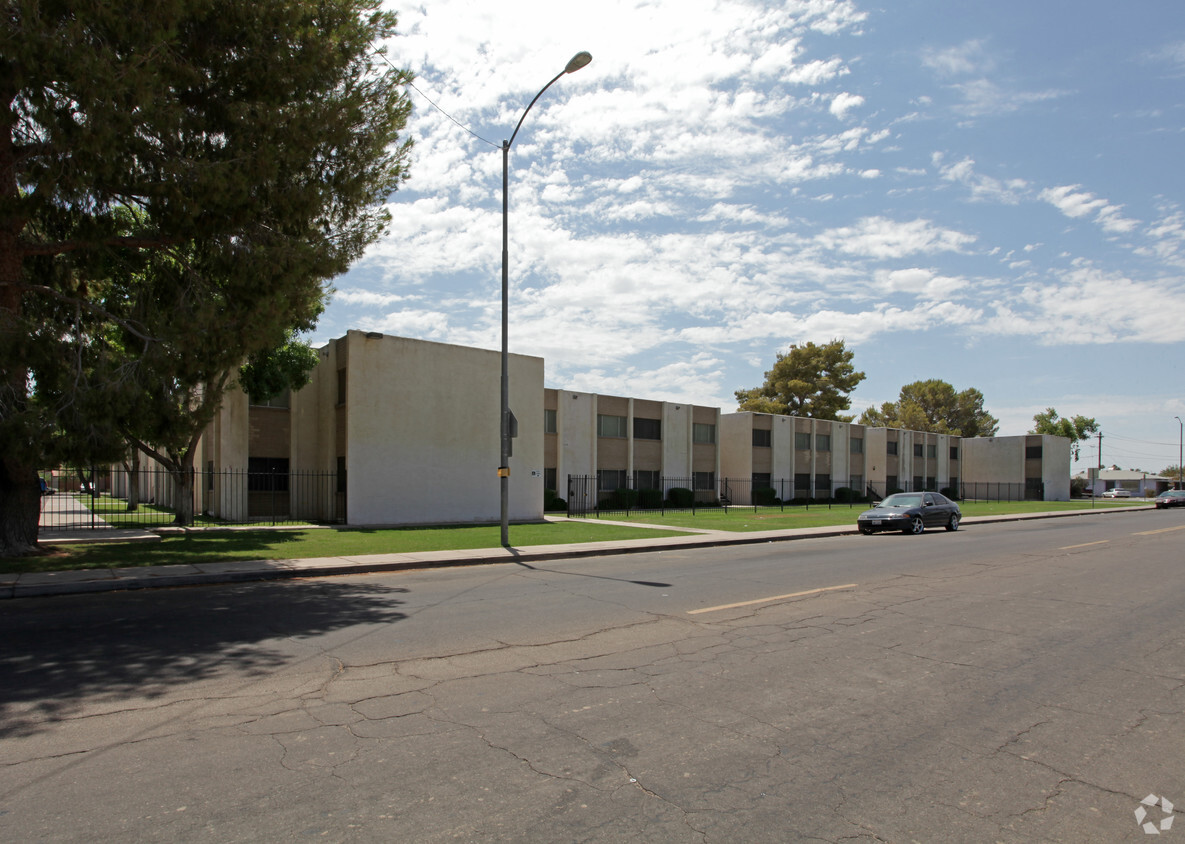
column 916, row 526
column 953, row 524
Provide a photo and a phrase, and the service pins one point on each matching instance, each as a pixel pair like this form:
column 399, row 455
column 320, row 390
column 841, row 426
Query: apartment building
column 812, row 458
column 627, row 443
column 1039, row 461
column 408, row 428
column 407, row 432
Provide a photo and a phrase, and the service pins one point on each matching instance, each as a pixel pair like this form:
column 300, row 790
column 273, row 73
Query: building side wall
column 423, row 433
column 1056, row 470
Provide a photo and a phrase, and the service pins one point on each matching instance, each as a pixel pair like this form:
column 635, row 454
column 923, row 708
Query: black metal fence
column 702, row 492
column 108, row 499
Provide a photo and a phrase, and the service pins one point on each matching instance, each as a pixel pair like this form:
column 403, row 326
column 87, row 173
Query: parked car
column 911, row 512
column 1117, row 493
column 1170, row 498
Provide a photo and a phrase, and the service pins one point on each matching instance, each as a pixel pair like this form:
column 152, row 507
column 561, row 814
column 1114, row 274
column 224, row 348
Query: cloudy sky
column 986, row 193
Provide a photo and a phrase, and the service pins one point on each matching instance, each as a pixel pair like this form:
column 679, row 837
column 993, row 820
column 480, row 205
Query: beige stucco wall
column 1002, row 460
column 994, row 459
column 423, row 433
column 226, row 444
column 1056, row 468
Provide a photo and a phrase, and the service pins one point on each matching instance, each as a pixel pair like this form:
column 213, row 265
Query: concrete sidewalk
column 33, row 584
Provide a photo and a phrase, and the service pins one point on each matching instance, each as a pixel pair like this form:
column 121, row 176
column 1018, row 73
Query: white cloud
column 843, row 103
column 729, row 176
column 880, row 237
column 983, row 188
column 968, row 57
column 1076, row 203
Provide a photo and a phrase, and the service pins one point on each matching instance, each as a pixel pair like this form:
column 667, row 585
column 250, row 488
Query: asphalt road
column 1008, row 682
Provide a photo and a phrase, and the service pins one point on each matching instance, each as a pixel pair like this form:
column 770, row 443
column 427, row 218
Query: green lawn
column 226, row 546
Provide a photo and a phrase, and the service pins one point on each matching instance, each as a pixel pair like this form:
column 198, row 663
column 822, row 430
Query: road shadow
column 61, row 652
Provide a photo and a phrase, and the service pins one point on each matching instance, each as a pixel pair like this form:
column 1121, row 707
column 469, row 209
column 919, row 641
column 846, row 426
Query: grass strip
column 228, row 546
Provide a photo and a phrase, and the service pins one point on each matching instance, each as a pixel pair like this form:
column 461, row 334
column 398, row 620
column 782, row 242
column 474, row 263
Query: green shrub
column 844, row 494
column 650, row 499
column 552, row 502
column 950, row 493
column 680, row 498
column 621, row 499
column 765, row 496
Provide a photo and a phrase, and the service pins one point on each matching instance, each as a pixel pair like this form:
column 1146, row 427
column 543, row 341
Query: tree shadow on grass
column 60, row 654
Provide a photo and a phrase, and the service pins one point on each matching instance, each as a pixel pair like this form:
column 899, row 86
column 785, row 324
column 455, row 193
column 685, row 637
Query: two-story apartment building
column 812, row 458
column 408, row 430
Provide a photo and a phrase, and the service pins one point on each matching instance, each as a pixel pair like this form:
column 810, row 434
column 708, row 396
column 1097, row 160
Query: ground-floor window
column 646, row 479
column 610, row 479
column 267, row 474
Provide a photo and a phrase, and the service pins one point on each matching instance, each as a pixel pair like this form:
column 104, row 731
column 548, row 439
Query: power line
column 434, row 104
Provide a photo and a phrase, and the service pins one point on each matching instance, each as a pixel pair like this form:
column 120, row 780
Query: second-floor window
column 647, row 429
column 610, row 426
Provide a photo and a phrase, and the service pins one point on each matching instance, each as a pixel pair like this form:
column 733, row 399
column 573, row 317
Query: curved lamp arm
column 578, row 61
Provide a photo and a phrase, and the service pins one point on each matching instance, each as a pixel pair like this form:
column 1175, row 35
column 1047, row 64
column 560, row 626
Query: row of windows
column 644, row 429
column 802, row 442
column 651, row 429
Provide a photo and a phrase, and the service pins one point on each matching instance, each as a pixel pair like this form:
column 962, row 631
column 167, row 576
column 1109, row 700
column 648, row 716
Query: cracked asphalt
column 1017, row 682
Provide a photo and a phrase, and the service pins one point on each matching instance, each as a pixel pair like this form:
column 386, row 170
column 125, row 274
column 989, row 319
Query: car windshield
column 903, row 500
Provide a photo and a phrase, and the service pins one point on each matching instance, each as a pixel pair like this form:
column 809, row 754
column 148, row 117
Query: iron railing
column 585, row 497
column 97, row 500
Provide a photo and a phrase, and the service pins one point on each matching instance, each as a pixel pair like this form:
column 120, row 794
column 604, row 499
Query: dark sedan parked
column 1170, row 498
column 911, row 512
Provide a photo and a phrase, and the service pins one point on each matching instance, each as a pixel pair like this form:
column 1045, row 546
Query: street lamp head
column 578, row 61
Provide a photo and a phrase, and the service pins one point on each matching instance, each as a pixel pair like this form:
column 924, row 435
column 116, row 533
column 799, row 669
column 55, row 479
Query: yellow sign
column 503, row 471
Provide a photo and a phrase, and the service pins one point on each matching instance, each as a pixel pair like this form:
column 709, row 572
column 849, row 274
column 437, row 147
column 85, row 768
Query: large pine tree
column 178, row 181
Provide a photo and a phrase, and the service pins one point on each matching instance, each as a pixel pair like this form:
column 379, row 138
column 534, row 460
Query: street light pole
column 574, row 64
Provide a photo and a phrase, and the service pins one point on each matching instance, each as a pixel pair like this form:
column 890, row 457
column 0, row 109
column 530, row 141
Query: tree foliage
column 272, row 371
column 811, row 380
column 1075, row 430
column 935, row 406
column 179, row 179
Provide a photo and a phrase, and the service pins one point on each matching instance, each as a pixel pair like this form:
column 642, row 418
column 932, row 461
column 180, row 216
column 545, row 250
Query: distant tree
column 1075, row 430
column 935, row 406
column 226, row 137
column 811, row 381
column 1173, row 472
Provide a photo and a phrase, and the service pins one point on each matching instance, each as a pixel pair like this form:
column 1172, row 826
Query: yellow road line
column 1084, row 545
column 1162, row 530
column 773, row 598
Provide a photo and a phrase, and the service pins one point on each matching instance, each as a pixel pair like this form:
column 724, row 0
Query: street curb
column 91, row 581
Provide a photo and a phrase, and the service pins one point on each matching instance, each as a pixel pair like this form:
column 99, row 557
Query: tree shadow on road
column 63, row 652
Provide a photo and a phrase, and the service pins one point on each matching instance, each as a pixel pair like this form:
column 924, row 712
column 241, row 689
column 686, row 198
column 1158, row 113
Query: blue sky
column 986, row 193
